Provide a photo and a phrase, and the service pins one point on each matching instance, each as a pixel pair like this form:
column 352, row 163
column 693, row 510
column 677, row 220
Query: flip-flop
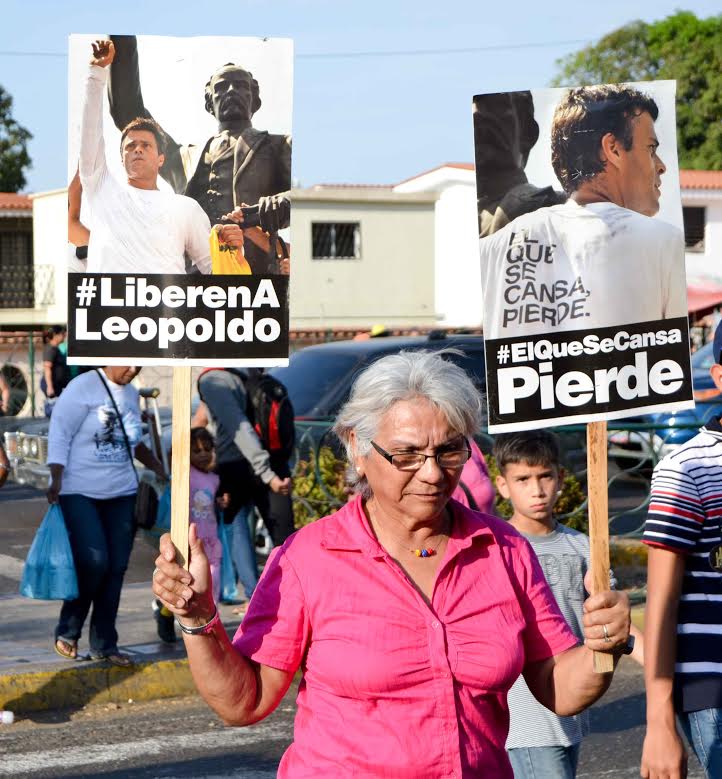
column 66, row 649
column 241, row 609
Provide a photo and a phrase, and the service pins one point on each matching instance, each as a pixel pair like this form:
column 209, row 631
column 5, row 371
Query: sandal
column 116, row 658
column 241, row 609
column 66, row 649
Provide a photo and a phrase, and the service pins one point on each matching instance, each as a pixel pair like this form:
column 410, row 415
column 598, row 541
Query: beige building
column 362, row 256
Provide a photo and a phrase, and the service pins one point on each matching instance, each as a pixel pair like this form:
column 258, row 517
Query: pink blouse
column 392, row 687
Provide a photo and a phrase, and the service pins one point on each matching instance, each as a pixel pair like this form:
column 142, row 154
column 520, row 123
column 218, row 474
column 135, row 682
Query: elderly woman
column 409, row 615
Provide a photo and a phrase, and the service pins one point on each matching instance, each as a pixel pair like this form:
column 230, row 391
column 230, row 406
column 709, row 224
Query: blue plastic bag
column 162, row 521
column 49, row 572
column 229, row 592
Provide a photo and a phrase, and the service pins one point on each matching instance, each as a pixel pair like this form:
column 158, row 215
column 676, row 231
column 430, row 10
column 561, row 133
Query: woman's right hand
column 53, row 491
column 187, row 593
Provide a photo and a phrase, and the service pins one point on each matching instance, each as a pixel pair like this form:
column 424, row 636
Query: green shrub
column 319, row 488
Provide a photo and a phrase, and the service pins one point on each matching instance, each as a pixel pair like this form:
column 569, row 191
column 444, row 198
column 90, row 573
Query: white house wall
column 708, row 263
column 457, row 272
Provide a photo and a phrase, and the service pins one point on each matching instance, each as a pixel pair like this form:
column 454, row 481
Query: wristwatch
column 201, row 630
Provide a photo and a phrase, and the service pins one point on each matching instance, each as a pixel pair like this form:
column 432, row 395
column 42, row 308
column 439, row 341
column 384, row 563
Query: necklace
column 428, row 551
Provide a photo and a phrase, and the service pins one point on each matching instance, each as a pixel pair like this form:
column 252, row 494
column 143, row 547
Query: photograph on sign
column 582, row 254
column 179, row 163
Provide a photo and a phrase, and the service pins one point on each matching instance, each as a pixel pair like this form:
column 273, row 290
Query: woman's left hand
column 607, row 618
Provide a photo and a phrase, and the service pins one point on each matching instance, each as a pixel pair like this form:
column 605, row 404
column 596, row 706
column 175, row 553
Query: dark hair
column 149, row 125
column 200, row 434
column 534, row 447
column 52, row 331
column 582, row 118
column 255, row 89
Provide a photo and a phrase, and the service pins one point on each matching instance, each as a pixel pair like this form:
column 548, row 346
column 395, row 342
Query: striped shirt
column 685, row 512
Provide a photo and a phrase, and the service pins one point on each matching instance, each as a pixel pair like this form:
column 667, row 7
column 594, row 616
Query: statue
column 239, row 166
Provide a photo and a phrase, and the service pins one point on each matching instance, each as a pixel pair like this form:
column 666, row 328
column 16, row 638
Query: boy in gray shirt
column 541, row 744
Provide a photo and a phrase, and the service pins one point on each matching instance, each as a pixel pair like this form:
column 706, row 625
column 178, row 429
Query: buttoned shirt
column 393, row 686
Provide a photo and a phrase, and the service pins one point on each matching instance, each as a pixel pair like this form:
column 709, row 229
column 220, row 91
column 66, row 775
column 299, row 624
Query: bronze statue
column 239, row 166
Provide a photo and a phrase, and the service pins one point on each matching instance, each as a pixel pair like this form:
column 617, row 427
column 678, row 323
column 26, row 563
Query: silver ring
column 157, row 570
column 606, row 634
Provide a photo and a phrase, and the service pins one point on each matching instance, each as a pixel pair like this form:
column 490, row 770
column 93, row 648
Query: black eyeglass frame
column 389, row 457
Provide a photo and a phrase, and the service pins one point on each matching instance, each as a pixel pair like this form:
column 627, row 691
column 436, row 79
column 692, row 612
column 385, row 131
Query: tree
column 14, row 157
column 680, row 47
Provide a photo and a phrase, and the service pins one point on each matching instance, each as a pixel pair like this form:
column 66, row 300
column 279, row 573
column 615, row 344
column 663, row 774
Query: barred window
column 694, row 221
column 336, row 240
column 17, row 287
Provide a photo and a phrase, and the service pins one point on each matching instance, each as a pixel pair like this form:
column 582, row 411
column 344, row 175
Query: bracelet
column 4, row 467
column 201, row 630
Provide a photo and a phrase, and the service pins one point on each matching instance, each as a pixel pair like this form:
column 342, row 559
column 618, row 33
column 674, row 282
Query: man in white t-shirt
column 600, row 259
column 135, row 227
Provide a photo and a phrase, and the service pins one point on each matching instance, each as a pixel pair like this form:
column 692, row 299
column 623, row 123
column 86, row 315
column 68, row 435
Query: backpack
column 270, row 412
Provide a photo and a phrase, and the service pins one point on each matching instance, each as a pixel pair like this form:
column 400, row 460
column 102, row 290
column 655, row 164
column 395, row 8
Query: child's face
column 203, row 455
column 532, row 489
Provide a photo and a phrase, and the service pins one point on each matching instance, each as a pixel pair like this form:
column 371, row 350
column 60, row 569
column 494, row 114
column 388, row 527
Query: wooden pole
column 181, row 448
column 598, row 521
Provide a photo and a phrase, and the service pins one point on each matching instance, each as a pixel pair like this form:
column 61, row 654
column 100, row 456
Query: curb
column 94, row 683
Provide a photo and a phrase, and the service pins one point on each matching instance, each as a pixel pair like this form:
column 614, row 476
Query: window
column 694, row 219
column 17, row 284
column 336, row 240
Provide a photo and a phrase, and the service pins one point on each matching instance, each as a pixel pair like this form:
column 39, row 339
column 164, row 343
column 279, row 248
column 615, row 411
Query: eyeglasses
column 412, row 461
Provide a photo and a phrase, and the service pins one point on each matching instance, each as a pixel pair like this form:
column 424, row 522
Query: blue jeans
column 545, row 762
column 101, row 537
column 704, row 732
column 243, row 551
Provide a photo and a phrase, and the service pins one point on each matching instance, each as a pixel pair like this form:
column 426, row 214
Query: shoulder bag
column 146, row 500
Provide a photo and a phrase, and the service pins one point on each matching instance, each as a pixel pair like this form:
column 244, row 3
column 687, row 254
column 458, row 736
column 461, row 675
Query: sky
column 382, row 90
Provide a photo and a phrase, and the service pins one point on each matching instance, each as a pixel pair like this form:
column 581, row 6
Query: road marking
column 11, row 567
column 172, row 746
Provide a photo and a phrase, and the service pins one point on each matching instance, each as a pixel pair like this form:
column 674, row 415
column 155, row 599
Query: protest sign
column 180, row 170
column 582, row 254
column 582, row 268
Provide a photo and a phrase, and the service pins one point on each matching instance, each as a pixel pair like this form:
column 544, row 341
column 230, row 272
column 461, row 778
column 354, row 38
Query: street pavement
column 182, row 738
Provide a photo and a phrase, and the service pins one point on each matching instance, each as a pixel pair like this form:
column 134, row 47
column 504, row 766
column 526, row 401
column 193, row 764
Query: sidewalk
column 33, row 678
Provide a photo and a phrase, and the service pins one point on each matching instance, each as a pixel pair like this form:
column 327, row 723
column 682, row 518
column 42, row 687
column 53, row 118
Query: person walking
column 683, row 622
column 55, row 369
column 408, row 615
column 249, row 473
column 95, row 424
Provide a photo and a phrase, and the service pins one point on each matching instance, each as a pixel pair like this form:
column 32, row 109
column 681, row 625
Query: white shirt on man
column 133, row 230
column 573, row 267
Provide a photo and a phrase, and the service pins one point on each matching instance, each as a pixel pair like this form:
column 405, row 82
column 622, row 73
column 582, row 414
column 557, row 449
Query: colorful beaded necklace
column 429, row 551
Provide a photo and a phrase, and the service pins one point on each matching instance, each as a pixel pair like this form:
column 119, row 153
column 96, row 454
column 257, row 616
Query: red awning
column 700, row 297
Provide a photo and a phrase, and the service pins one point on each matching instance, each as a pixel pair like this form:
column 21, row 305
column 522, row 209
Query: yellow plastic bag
column 225, row 259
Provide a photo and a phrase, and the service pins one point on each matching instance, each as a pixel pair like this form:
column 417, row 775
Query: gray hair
column 403, row 376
